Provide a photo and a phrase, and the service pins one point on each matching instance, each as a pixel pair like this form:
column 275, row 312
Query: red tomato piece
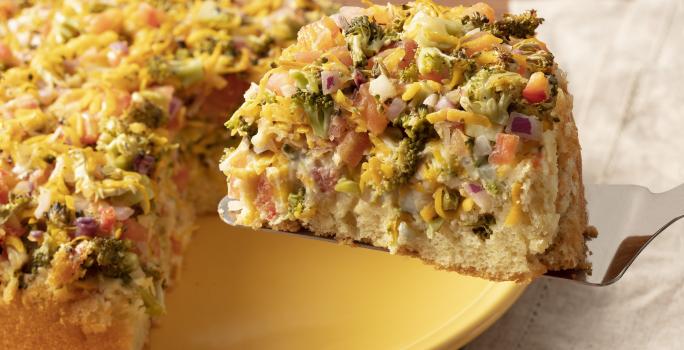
column 353, row 147
column 537, row 88
column 504, row 149
column 134, row 231
column 107, row 218
column 376, row 121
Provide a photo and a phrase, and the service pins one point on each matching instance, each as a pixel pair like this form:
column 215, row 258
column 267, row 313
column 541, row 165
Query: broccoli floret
column 406, row 158
column 146, row 112
column 8, row 209
column 491, row 92
column 431, row 59
column 58, row 214
column 483, row 228
column 296, row 204
column 476, row 20
column 520, row 26
column 537, row 57
column 187, row 71
column 112, row 257
column 239, row 126
column 319, row 108
column 364, row 38
column 409, row 74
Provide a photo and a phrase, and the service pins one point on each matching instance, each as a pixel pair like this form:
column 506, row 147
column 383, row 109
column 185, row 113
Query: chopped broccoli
column 58, row 214
column 483, row 228
column 146, row 112
column 187, row 71
column 477, row 20
column 15, row 202
column 296, row 204
column 112, row 257
column 431, row 59
column 239, row 126
column 406, row 158
column 409, row 74
column 491, row 92
column 364, row 38
column 520, row 26
column 318, row 107
column 537, row 57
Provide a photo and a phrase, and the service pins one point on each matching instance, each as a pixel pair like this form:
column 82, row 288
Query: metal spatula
column 627, row 217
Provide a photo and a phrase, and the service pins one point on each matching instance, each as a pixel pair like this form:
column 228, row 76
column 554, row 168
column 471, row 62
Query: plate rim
column 474, row 319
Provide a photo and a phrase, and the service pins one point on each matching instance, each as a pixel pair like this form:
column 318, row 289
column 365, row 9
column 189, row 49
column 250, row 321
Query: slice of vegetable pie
column 436, row 132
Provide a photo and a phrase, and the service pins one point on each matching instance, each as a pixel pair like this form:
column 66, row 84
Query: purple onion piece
column 86, row 226
column 358, row 77
column 521, row 125
column 474, row 188
column 144, row 164
column 36, row 235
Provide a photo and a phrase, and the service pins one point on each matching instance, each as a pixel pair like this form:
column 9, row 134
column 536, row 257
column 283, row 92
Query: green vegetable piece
column 147, row 113
column 296, row 204
column 409, row 74
column 520, row 26
column 484, row 226
column 112, row 257
column 15, row 203
column 364, row 39
column 153, row 306
column 318, row 107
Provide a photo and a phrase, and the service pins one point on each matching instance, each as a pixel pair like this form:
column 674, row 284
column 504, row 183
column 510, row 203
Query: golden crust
column 59, row 325
column 569, row 249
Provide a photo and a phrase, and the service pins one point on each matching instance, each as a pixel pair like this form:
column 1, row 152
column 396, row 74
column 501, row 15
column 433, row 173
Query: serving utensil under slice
column 627, row 217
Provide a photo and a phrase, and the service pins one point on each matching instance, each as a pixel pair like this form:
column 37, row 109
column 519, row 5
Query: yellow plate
column 255, row 290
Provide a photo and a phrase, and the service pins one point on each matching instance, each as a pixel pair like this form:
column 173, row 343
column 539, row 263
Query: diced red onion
column 479, row 196
column 330, row 81
column 346, row 15
column 524, row 126
column 36, row 235
column 431, row 100
column 358, row 77
column 123, row 213
column 86, row 226
column 144, row 164
column 395, row 108
column 443, row 103
column 482, row 147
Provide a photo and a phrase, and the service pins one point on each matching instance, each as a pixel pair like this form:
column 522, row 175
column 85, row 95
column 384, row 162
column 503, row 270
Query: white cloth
column 625, row 64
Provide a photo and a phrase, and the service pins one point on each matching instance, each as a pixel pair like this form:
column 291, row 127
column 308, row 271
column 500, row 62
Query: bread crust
column 50, row 325
column 569, row 249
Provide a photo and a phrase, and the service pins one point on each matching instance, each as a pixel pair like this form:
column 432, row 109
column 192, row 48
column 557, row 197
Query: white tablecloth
column 625, row 62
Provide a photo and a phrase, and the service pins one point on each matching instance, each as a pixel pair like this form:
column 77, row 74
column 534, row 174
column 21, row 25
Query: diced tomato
column 221, row 102
column 504, row 149
column 6, row 55
column 264, row 198
column 325, row 178
column 410, row 47
column 352, row 148
column 149, row 15
column 537, row 88
column 306, row 56
column 134, row 231
column 436, row 76
column 107, row 218
column 320, row 35
column 278, row 80
column 342, row 54
column 338, row 128
column 376, row 121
